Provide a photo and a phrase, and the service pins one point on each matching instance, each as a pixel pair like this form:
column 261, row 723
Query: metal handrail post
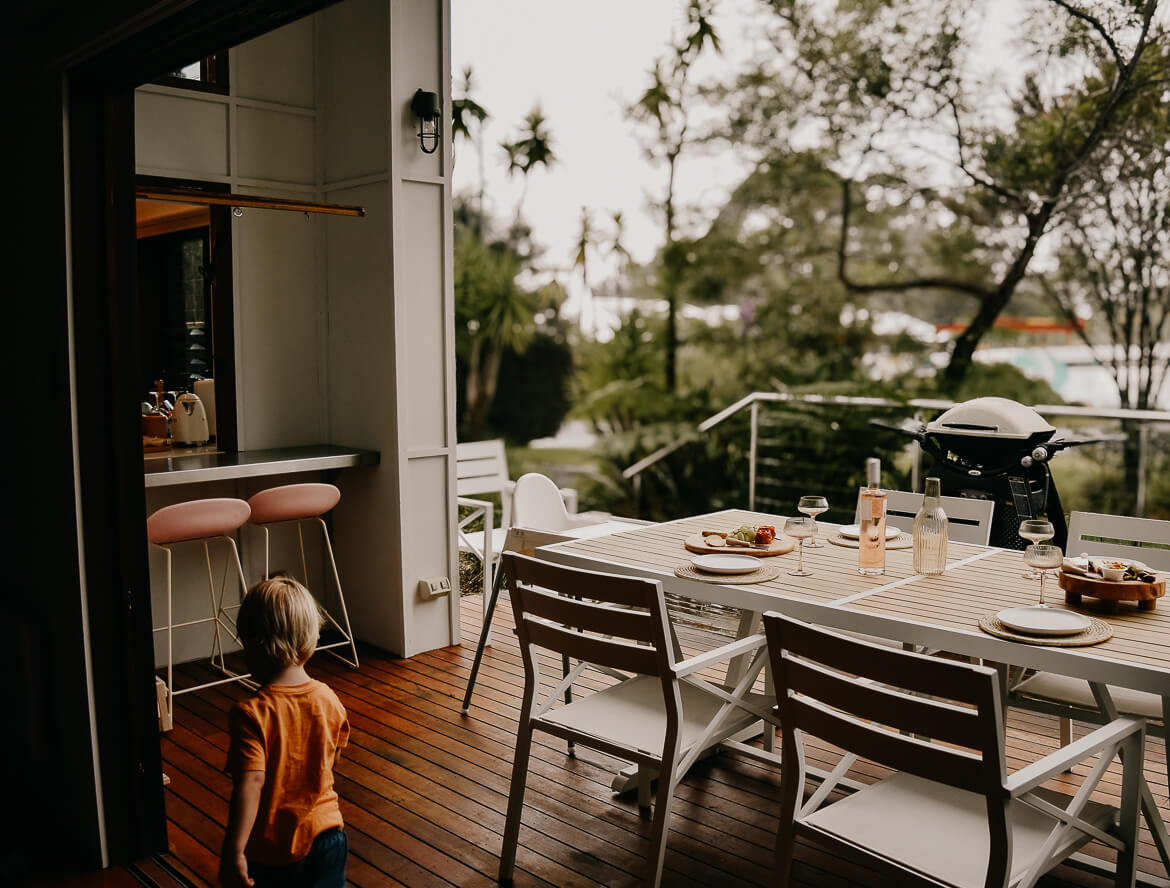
column 1143, row 452
column 752, row 449
column 916, row 460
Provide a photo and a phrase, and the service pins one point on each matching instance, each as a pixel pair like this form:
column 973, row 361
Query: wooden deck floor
column 424, row 788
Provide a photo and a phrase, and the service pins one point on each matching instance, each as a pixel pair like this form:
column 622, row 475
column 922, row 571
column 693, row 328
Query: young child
column 285, row 825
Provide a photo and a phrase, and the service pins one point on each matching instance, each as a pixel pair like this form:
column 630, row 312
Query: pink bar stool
column 298, row 503
column 199, row 521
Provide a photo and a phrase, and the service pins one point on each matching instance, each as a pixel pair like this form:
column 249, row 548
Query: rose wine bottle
column 871, row 558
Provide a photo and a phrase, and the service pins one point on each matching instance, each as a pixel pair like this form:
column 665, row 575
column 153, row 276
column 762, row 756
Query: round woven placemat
column 759, row 575
column 901, row 541
column 1097, row 632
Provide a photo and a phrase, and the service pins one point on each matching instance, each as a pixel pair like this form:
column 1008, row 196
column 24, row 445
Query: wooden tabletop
column 941, row 612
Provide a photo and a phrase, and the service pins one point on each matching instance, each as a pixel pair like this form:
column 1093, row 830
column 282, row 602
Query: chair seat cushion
column 631, row 713
column 474, row 542
column 1076, row 692
column 942, row 830
column 196, row 520
column 292, row 501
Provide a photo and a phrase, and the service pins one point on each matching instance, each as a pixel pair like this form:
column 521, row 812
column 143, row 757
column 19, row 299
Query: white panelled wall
column 344, row 326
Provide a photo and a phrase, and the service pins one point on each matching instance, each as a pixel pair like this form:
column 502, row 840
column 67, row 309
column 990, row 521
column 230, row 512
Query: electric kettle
column 189, row 421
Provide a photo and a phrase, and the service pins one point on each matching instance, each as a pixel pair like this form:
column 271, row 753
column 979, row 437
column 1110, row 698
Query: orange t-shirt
column 292, row 734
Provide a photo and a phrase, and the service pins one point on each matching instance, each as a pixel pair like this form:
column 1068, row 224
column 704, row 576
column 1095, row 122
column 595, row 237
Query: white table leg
column 1150, row 812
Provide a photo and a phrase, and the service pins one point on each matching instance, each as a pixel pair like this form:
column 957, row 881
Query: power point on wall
column 433, row 587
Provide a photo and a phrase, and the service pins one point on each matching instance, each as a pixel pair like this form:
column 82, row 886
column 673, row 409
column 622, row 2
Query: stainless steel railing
column 755, row 400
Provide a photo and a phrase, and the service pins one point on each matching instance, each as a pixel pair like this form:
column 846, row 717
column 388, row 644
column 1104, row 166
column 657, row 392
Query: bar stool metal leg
column 198, row 521
column 298, row 503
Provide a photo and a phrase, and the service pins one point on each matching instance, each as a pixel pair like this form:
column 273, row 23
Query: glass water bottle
column 930, row 533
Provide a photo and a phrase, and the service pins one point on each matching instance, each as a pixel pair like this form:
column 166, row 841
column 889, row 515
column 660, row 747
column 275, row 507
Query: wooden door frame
column 101, row 168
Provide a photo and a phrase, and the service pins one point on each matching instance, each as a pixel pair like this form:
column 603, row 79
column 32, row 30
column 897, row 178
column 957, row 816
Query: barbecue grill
column 997, row 449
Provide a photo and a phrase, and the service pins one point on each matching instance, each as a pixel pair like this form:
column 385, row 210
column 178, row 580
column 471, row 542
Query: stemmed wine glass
column 813, row 506
column 1035, row 531
column 800, row 529
column 1044, row 558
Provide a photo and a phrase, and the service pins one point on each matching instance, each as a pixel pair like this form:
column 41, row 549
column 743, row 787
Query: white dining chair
column 950, row 814
column 968, row 520
column 1107, row 536
column 538, row 502
column 657, row 713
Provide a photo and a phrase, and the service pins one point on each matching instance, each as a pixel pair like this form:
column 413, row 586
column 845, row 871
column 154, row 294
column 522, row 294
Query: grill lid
column 992, row 418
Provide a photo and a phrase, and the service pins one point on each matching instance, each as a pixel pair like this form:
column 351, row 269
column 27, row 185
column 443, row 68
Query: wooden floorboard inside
column 424, row 788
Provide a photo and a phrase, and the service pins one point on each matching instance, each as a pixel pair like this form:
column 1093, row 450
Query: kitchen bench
column 167, row 471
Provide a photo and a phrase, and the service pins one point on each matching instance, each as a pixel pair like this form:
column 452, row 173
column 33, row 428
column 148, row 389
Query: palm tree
column 585, row 240
column 617, row 247
column 532, row 149
column 664, row 107
column 464, row 110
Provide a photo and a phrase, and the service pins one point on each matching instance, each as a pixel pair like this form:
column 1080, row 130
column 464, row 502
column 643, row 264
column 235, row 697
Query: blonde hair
column 279, row 618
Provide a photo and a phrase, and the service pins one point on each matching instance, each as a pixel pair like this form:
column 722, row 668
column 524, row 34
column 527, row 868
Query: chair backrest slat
column 549, row 615
column 609, row 652
column 632, row 625
column 945, row 721
column 939, row 763
column 1120, row 536
column 627, row 591
column 913, row 672
column 969, row 520
column 812, row 697
column 481, row 467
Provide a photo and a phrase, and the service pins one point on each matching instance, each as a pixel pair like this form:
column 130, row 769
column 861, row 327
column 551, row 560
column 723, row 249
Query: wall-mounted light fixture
column 429, row 111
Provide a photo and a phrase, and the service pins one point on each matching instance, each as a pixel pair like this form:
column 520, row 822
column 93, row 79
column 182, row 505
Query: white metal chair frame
column 524, row 541
column 618, row 625
column 1118, row 536
column 482, row 467
column 345, row 631
column 219, row 617
column 907, row 699
column 969, row 520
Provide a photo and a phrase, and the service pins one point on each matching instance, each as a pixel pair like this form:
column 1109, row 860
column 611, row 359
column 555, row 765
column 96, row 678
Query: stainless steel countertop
column 195, row 468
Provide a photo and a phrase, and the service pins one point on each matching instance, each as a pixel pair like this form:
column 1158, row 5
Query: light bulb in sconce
column 429, row 111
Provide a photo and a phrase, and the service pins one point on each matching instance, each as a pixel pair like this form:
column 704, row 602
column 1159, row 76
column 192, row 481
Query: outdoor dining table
column 940, row 612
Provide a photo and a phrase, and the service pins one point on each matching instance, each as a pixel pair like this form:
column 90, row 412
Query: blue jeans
column 322, row 867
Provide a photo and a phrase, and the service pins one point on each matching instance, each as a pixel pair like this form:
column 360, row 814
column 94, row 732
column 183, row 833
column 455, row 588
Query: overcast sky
column 583, row 63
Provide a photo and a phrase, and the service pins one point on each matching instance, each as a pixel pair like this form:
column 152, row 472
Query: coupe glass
column 813, row 506
column 800, row 529
column 1044, row 558
column 1035, row 531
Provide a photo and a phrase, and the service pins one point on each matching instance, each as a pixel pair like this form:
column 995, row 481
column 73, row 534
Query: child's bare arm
column 233, row 866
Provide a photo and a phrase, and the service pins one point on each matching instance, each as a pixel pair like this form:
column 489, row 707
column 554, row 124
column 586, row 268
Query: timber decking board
column 424, row 787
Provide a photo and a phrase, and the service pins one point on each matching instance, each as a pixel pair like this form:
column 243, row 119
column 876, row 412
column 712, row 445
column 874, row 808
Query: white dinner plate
column 726, row 564
column 1043, row 620
column 853, row 532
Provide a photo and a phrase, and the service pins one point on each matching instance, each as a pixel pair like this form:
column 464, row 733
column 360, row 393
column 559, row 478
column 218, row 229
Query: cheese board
column 1146, row 595
column 782, row 545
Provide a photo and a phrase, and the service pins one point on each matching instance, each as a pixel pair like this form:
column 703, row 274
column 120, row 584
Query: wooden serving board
column 782, row 545
column 1145, row 594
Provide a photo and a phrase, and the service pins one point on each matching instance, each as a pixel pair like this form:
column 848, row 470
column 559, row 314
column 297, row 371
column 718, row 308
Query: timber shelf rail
column 232, row 199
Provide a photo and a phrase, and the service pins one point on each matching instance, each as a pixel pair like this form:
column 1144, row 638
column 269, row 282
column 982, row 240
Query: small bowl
column 1113, row 573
